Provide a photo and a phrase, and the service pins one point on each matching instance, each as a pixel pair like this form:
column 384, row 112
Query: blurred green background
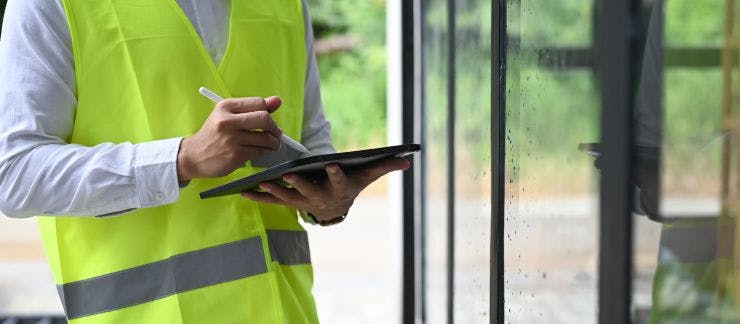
column 350, row 45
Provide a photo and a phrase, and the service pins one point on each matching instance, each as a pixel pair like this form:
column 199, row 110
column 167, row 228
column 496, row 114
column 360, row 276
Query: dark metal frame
column 413, row 180
column 615, row 60
column 498, row 158
column 409, row 230
column 451, row 103
column 421, row 108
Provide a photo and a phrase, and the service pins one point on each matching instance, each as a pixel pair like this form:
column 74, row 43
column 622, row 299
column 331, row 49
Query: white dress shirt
column 41, row 174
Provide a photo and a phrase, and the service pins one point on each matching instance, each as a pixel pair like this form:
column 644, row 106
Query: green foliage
column 557, row 23
column 694, row 23
column 355, row 98
column 472, row 87
column 354, row 82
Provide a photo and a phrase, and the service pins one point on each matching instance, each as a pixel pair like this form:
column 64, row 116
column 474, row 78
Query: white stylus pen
column 287, row 140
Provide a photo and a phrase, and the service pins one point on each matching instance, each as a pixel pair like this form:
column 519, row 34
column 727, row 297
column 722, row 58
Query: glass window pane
column 551, row 198
column 469, row 160
column 472, row 161
column 436, row 153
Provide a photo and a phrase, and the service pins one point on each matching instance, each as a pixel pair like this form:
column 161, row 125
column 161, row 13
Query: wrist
column 327, row 221
column 184, row 173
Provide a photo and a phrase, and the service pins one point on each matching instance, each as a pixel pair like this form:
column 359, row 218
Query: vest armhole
column 72, row 23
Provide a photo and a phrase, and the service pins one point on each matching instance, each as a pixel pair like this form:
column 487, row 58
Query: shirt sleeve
column 316, row 135
column 40, row 172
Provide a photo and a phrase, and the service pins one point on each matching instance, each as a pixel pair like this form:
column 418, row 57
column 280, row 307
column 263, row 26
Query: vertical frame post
column 413, row 186
column 498, row 158
column 421, row 19
column 451, row 99
column 616, row 63
column 408, row 311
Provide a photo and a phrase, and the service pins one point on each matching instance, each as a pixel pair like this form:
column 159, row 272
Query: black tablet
column 312, row 167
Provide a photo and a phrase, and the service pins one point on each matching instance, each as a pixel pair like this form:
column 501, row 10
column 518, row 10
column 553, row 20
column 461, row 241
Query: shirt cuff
column 155, row 169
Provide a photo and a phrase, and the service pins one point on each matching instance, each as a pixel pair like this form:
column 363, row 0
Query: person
column 105, row 137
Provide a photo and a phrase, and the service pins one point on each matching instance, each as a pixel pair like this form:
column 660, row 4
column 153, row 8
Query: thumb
column 385, row 166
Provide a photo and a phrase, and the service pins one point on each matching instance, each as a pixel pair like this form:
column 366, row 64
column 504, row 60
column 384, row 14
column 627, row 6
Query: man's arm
column 39, row 172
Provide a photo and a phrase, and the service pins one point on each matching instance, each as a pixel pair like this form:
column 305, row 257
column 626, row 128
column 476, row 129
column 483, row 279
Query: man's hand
column 330, row 198
column 237, row 130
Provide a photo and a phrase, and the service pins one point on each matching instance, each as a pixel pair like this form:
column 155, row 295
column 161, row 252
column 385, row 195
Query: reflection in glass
column 694, row 266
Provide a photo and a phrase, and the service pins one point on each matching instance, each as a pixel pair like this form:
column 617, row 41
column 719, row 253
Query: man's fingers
column 307, row 188
column 250, row 104
column 243, row 105
column 289, row 196
column 262, row 197
column 258, row 139
column 251, row 113
column 273, row 102
column 256, row 120
column 337, row 178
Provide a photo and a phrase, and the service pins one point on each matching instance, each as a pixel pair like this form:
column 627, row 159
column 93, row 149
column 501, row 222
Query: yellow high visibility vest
column 138, row 65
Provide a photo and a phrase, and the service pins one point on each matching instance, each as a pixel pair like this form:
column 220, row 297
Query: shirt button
column 159, row 196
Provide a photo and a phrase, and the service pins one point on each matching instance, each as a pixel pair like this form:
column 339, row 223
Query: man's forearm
column 73, row 180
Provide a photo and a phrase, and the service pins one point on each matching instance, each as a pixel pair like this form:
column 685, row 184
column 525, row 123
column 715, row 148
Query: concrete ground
column 550, row 264
column 354, row 273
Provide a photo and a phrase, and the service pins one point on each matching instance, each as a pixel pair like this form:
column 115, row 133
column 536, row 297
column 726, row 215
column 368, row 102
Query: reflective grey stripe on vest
column 289, row 247
column 180, row 273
